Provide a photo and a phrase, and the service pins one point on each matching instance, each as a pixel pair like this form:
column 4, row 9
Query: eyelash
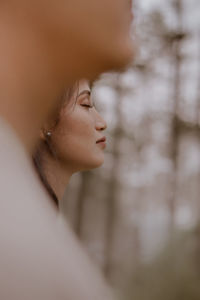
column 87, row 105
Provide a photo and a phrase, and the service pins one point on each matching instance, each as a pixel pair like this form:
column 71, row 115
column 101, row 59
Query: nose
column 100, row 124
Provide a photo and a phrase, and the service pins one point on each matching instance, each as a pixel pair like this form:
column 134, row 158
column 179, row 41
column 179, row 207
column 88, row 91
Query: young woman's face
column 78, row 138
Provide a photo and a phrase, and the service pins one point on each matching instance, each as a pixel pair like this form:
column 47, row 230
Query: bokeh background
column 149, row 185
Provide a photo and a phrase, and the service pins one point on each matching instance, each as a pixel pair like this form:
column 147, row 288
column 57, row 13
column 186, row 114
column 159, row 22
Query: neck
column 56, row 175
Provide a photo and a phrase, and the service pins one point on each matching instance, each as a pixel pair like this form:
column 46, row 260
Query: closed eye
column 87, row 105
column 85, row 99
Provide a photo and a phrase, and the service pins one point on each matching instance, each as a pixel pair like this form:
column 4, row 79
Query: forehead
column 84, row 84
column 71, row 95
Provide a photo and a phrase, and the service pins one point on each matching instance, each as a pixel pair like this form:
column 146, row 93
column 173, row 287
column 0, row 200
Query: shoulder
column 39, row 258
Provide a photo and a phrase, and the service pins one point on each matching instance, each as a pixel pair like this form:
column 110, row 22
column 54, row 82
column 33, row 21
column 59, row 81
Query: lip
column 102, row 142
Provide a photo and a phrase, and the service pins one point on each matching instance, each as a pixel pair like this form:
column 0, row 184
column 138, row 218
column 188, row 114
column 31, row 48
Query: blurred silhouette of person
column 45, row 46
column 73, row 141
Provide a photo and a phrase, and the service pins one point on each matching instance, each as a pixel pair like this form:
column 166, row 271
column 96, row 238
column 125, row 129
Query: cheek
column 73, row 137
column 75, row 144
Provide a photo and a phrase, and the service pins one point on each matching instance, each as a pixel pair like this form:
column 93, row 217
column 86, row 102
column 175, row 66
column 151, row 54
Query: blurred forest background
column 149, row 185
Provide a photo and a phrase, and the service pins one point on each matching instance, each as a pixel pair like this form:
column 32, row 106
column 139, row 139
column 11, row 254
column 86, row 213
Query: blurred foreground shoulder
column 39, row 259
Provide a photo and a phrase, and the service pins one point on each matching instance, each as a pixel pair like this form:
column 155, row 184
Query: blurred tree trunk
column 113, row 182
column 175, row 129
column 198, row 87
column 83, row 192
column 198, row 121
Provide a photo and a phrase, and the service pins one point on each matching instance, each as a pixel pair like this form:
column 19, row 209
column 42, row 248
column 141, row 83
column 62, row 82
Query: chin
column 125, row 54
column 96, row 163
column 116, row 60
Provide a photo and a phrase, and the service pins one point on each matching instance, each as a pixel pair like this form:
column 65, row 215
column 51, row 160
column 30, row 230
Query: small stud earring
column 48, row 133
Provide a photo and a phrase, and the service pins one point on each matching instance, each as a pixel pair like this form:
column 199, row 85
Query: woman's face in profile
column 78, row 139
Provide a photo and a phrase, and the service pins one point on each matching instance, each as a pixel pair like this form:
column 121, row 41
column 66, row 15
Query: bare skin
column 78, row 140
column 45, row 46
column 40, row 256
column 42, row 51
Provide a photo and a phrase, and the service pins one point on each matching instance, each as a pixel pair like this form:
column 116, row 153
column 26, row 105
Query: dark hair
column 45, row 145
column 37, row 161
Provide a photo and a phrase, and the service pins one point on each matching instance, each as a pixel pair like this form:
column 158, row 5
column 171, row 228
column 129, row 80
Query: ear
column 44, row 132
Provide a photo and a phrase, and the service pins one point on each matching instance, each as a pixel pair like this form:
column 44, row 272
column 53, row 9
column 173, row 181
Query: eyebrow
column 87, row 92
